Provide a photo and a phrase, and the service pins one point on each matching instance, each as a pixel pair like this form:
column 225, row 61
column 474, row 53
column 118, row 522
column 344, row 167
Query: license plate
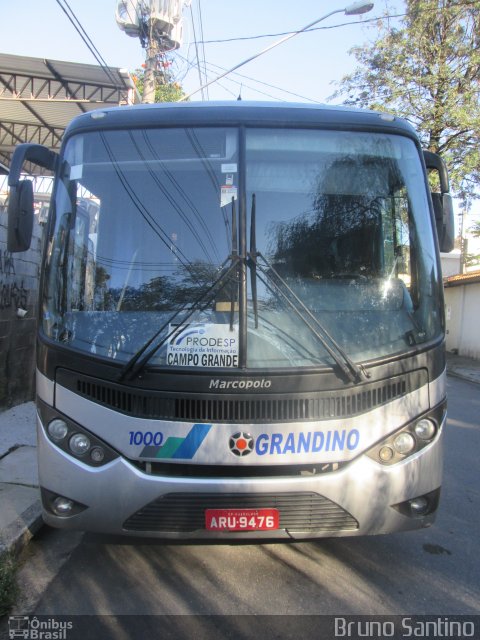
column 241, row 519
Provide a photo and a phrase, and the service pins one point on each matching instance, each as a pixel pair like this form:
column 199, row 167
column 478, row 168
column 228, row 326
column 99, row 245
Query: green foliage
column 473, row 260
column 427, row 71
column 475, row 229
column 8, row 584
column 169, row 92
column 172, row 92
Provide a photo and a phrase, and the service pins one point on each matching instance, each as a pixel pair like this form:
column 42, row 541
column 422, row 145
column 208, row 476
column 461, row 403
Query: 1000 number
column 148, row 438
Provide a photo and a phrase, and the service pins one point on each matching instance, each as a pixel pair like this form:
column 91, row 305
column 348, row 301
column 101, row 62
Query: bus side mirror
column 20, row 200
column 448, row 236
column 20, row 216
column 442, row 203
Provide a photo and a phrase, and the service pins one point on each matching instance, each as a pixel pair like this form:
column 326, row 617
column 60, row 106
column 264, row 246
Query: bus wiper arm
column 253, row 258
column 143, row 355
column 352, row 371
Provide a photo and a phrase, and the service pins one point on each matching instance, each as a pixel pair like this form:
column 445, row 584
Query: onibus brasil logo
column 38, row 629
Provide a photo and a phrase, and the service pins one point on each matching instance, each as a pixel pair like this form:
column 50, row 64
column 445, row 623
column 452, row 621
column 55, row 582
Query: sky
column 307, row 66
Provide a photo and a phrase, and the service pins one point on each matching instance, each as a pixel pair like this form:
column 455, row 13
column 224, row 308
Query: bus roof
column 237, row 112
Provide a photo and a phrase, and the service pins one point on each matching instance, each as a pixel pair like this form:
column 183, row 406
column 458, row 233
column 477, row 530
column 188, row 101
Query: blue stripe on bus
column 192, row 442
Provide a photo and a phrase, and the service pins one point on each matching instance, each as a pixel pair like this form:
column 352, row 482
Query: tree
column 168, row 92
column 471, row 259
column 428, row 71
column 475, row 229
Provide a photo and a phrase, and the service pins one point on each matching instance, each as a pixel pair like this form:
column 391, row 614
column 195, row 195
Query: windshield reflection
column 144, row 238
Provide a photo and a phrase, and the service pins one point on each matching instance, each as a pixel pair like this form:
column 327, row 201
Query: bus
column 241, row 324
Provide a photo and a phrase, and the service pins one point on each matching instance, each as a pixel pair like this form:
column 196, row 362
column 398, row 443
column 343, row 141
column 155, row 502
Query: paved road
column 435, row 571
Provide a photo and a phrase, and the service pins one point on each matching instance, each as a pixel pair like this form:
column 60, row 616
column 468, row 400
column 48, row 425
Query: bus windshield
column 170, row 242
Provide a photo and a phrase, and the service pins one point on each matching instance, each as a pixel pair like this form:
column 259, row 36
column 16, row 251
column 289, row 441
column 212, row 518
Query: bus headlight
column 57, row 429
column 79, row 444
column 386, row 454
column 425, row 429
column 408, row 440
column 73, row 439
column 97, row 454
column 404, row 443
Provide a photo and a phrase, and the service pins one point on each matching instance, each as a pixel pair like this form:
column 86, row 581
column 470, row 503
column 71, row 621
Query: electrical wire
column 182, row 74
column 286, row 33
column 196, row 53
column 202, row 43
column 463, row 4
column 240, row 84
column 87, row 40
column 142, row 209
column 266, row 84
column 267, row 49
column 174, row 201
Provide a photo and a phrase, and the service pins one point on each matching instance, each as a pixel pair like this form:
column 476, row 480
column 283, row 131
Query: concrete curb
column 463, row 376
column 18, row 533
column 20, row 512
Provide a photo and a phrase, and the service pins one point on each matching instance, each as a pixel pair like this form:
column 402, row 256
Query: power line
column 196, row 53
column 355, row 9
column 463, row 4
column 202, row 42
column 266, row 84
column 87, row 40
column 286, row 33
column 241, row 84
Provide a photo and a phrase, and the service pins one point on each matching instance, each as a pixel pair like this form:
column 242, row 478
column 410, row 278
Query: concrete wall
column 462, row 311
column 450, row 263
column 19, row 280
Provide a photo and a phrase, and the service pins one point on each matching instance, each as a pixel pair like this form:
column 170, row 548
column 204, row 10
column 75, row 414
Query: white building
column 462, row 312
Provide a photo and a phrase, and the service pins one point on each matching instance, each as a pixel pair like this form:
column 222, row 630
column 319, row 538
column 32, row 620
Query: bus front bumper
column 362, row 498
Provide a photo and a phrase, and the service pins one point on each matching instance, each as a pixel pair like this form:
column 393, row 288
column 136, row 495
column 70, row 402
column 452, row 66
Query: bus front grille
column 185, row 512
column 207, row 407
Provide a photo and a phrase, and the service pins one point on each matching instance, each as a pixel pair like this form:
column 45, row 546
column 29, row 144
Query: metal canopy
column 39, row 97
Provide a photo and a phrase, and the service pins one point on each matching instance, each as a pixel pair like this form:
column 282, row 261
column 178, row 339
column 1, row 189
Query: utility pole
column 149, row 80
column 463, row 248
column 159, row 25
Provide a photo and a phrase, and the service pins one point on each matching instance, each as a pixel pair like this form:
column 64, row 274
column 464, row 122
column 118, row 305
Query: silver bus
column 241, row 325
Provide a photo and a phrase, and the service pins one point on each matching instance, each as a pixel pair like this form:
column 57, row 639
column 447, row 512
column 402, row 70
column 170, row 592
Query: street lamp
column 354, row 9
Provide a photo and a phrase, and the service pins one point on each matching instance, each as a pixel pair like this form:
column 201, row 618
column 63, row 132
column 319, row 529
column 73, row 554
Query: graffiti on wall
column 12, row 294
column 7, row 265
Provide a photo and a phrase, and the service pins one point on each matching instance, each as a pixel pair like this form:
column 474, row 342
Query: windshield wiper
column 276, row 283
column 253, row 258
column 144, row 354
